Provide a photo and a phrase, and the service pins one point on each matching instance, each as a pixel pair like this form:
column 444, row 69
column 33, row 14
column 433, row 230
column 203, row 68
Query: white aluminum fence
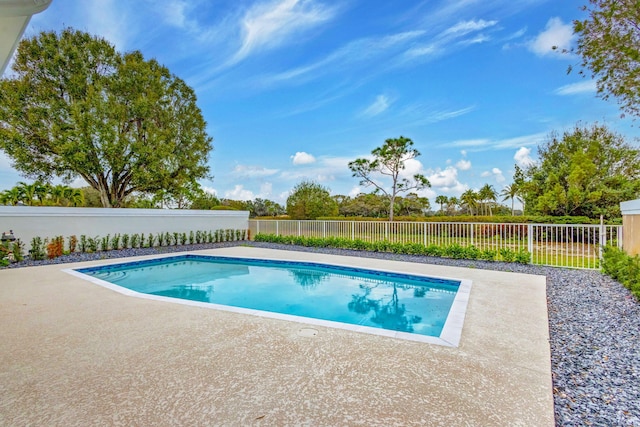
column 565, row 245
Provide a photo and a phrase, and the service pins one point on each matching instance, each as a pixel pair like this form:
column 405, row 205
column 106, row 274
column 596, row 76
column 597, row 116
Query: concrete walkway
column 74, row 353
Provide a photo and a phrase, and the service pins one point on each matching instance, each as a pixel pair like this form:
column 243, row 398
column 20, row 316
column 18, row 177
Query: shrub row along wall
column 28, row 222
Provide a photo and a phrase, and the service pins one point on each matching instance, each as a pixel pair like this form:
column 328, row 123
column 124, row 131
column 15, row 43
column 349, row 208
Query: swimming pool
column 387, row 303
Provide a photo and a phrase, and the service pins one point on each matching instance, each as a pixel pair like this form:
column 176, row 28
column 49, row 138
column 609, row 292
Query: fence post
column 620, row 236
column 324, row 229
column 602, row 238
column 386, row 231
column 353, row 232
column 299, row 228
column 258, row 227
column 530, row 242
column 277, row 228
column 424, row 226
column 471, row 226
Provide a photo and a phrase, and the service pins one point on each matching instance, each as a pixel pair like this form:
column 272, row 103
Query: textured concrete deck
column 74, row 353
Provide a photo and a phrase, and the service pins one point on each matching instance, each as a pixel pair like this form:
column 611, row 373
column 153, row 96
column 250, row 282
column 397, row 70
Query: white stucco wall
column 28, row 222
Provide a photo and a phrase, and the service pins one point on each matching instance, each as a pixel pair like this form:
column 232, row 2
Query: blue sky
column 295, row 89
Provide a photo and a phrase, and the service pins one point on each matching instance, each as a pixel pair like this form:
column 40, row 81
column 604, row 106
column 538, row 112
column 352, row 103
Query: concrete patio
column 74, row 353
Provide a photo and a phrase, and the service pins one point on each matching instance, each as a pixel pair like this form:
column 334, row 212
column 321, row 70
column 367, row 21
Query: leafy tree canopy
column 77, row 107
column 586, row 171
column 310, row 200
column 389, row 161
column 609, row 43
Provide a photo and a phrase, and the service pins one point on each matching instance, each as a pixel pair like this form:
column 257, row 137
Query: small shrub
column 104, row 243
column 83, row 243
column 92, row 244
column 209, row 236
column 115, row 241
column 18, row 249
column 125, row 241
column 507, row 255
column 198, row 237
column 192, row 237
column 151, row 240
column 454, row 251
column 73, row 243
column 176, row 238
column 622, row 267
column 183, row 239
column 142, row 241
column 55, row 248
column 433, row 250
column 523, row 257
column 37, row 250
column 471, row 252
column 135, row 241
column 488, row 255
column 228, row 235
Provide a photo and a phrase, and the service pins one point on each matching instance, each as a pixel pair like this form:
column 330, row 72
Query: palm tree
column 470, row 199
column 74, row 196
column 442, row 200
column 510, row 192
column 452, row 204
column 488, row 195
column 11, row 197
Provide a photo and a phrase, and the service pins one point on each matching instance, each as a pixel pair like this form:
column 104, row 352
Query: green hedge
column 623, row 268
column 531, row 219
column 452, row 251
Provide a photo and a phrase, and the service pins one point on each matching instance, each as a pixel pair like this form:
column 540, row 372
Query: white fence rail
column 566, row 245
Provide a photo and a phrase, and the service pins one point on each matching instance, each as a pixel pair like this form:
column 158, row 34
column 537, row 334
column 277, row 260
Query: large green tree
column 586, row 171
column 389, row 161
column 310, row 200
column 74, row 106
column 609, row 44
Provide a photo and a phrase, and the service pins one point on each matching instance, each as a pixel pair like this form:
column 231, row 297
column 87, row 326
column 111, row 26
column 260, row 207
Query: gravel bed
column 594, row 328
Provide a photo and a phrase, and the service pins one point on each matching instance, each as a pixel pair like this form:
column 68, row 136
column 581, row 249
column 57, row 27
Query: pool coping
column 449, row 336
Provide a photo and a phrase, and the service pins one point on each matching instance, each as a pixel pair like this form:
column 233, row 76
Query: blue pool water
column 396, row 302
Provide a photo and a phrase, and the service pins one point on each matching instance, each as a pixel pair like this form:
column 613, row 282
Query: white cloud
column 411, row 167
column 495, row 173
column 446, row 180
column 378, row 106
column 586, row 86
column 269, row 25
column 463, row 165
column 302, row 158
column 355, row 191
column 523, row 157
column 556, row 34
column 209, row 190
column 464, row 153
column 239, row 193
column 253, row 171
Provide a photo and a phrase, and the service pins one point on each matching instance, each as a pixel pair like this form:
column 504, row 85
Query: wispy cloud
column 586, row 86
column 481, row 144
column 556, row 37
column 272, row 24
column 450, row 36
column 253, row 171
column 357, row 51
column 378, row 106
